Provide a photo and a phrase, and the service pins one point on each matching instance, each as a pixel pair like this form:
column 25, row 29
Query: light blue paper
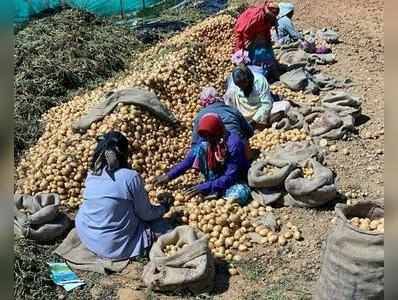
column 62, row 275
column 70, row 286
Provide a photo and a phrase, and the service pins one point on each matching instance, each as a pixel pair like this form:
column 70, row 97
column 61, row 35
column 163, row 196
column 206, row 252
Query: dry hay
column 58, row 54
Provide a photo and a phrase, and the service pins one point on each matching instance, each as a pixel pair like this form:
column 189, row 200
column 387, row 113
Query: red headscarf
column 211, row 125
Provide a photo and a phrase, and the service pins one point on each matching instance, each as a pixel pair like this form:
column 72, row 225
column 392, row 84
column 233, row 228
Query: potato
column 296, row 235
column 242, row 247
column 288, row 235
column 232, row 271
column 281, row 241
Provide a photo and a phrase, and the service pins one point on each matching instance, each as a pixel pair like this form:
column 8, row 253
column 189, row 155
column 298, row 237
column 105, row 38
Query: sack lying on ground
column 352, row 262
column 296, row 79
column 328, row 35
column 321, row 59
column 303, row 79
column 267, row 196
column 326, row 83
column 329, row 125
column 78, row 257
column 297, row 152
column 140, row 97
column 342, row 103
column 310, row 192
column 192, row 267
column 258, row 178
column 297, row 58
column 293, row 58
column 38, row 218
column 293, row 119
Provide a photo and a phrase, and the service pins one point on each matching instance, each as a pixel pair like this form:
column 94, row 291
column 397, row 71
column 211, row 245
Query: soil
column 291, row 272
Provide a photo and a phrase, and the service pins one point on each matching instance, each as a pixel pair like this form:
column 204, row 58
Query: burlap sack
column 310, row 192
column 342, row 103
column 329, row 125
column 352, row 261
column 297, row 152
column 296, row 79
column 267, row 196
column 135, row 96
column 38, row 218
column 296, row 58
column 191, row 268
column 293, row 119
column 328, row 35
column 320, row 123
column 258, row 179
column 293, row 58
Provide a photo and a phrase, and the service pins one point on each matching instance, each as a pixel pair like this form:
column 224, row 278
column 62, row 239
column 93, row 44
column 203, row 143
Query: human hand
column 192, row 191
column 162, row 179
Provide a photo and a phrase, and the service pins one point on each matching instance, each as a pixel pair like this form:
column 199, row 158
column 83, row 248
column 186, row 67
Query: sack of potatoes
column 180, row 259
column 352, row 261
column 313, row 185
column 269, row 173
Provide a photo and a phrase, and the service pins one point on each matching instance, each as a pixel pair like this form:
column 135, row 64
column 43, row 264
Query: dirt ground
column 291, row 272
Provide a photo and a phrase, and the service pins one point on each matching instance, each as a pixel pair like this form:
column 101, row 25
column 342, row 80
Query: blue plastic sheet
column 26, row 9
column 111, row 7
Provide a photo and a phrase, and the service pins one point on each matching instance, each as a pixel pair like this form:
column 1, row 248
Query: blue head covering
column 285, row 8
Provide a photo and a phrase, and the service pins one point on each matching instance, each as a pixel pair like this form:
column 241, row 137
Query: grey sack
column 352, row 261
column 135, row 96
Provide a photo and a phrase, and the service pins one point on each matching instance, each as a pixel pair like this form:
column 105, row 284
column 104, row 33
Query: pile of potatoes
column 267, row 139
column 176, row 71
column 299, row 96
column 183, row 66
column 60, row 161
column 228, row 226
column 366, row 224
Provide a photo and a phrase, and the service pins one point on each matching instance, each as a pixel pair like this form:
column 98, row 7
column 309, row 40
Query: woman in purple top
column 221, row 157
column 116, row 219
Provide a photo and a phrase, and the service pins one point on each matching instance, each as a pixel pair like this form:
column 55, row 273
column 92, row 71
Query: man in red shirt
column 253, row 33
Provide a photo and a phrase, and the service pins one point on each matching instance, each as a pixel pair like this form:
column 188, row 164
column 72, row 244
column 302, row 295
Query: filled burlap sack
column 266, row 196
column 352, row 261
column 310, row 192
column 258, row 178
column 38, row 217
column 191, row 268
